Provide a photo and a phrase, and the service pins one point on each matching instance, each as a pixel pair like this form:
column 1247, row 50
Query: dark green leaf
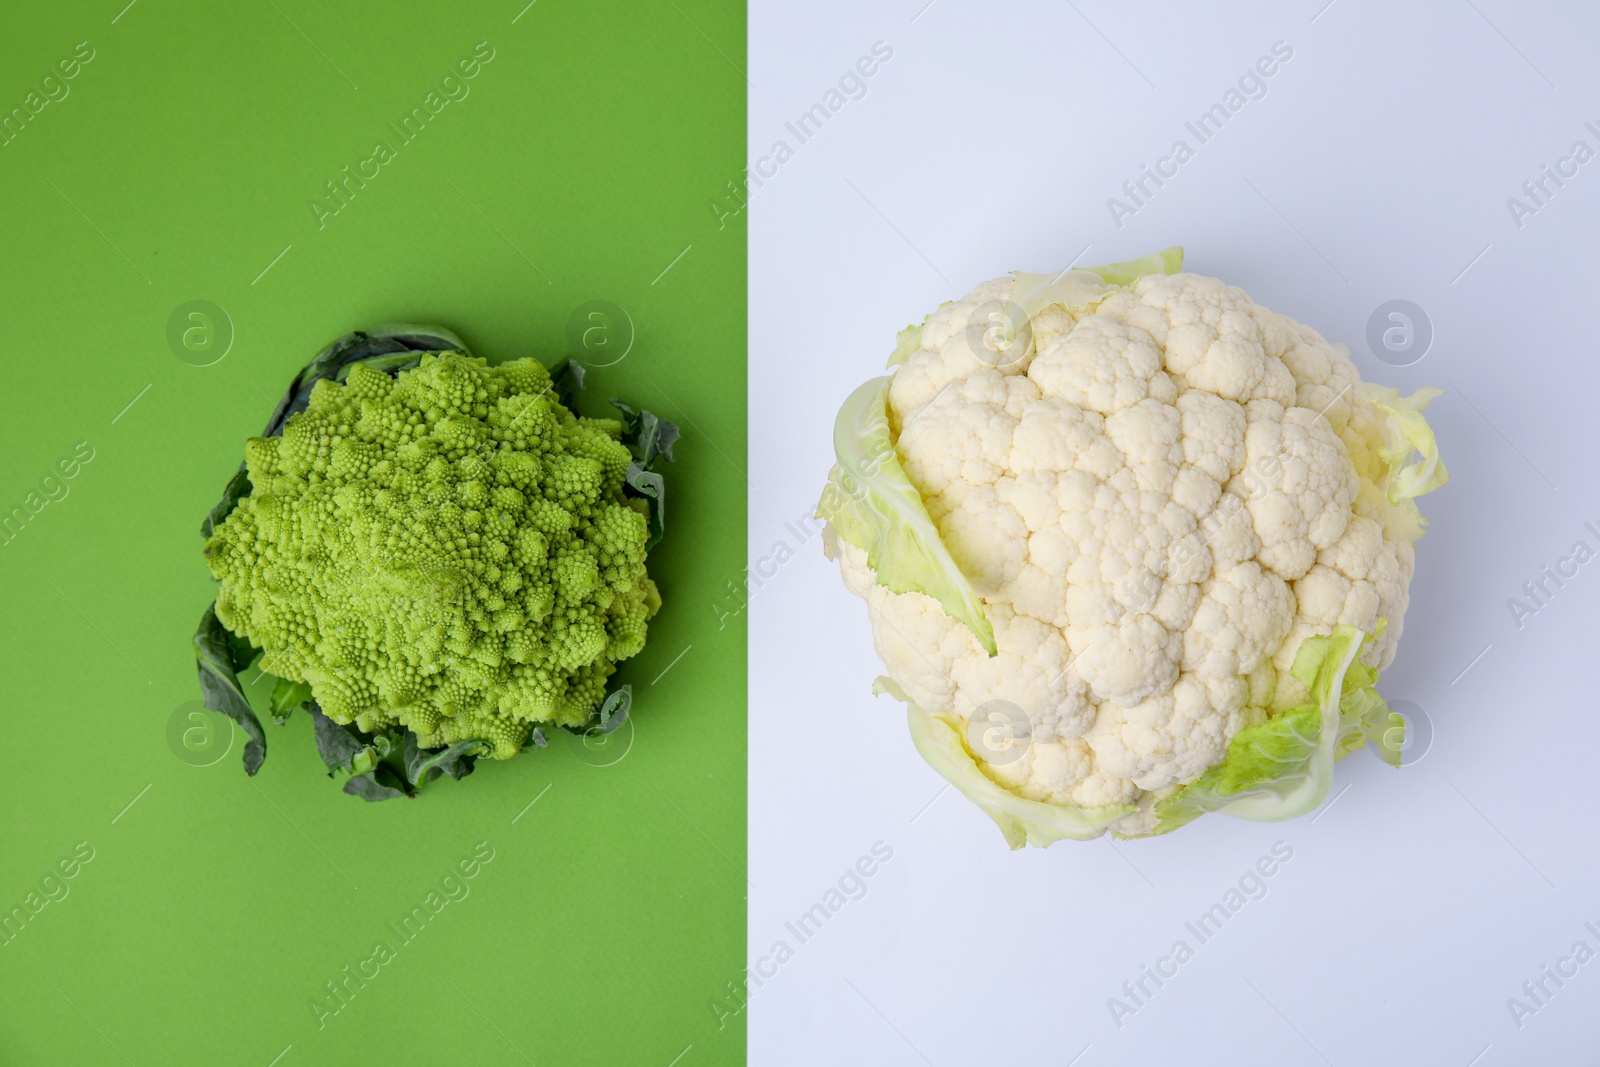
column 237, row 489
column 610, row 715
column 219, row 685
column 380, row 783
column 423, row 765
column 241, row 653
column 387, row 776
column 646, row 435
column 286, row 697
column 338, row 745
column 653, row 489
column 648, row 439
column 567, row 378
column 614, row 712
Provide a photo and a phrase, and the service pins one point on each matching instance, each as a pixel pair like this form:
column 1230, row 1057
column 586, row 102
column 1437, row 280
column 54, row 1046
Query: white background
column 1377, row 166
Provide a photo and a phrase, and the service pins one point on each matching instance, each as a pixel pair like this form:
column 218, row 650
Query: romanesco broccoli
column 449, row 551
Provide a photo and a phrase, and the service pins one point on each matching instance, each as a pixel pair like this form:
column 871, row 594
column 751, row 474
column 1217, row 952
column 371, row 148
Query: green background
column 585, row 158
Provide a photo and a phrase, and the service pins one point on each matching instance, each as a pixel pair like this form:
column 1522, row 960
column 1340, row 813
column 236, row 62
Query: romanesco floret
column 449, row 550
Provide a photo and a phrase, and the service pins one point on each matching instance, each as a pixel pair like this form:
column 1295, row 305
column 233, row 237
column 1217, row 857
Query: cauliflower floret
column 1102, row 365
column 1170, row 738
column 1155, row 498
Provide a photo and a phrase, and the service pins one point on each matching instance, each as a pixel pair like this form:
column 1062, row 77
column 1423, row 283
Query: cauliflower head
column 1133, row 547
column 449, row 550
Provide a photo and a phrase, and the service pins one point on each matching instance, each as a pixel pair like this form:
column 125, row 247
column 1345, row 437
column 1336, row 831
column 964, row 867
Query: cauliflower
column 447, row 551
column 1133, row 547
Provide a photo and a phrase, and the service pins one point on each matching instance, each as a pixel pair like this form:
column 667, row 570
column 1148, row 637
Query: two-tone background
column 193, row 200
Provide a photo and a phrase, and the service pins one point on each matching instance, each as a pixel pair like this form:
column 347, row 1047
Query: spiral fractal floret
column 449, row 550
